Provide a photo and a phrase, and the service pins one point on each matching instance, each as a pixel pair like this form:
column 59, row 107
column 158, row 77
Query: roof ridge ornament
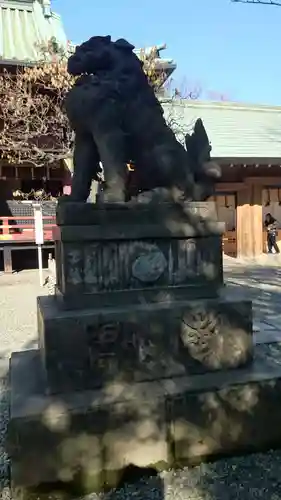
column 46, row 4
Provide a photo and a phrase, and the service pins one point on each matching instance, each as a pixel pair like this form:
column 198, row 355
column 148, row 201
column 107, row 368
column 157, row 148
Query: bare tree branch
column 259, row 2
column 33, row 123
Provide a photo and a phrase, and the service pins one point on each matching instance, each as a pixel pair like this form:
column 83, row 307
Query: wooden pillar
column 68, row 169
column 249, row 221
column 66, row 188
column 7, row 255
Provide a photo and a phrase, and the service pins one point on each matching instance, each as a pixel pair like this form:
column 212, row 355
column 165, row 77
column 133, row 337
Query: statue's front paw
column 68, row 198
column 64, row 198
column 212, row 170
column 114, row 195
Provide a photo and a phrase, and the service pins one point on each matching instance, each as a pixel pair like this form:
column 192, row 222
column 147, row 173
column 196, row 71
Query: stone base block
column 94, row 435
column 87, row 349
column 91, row 435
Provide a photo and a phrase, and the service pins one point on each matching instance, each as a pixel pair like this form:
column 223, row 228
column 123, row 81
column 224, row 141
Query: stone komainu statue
column 117, row 119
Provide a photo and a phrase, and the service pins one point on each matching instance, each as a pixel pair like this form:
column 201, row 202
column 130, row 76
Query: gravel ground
column 18, row 327
column 18, row 324
column 4, row 418
column 251, row 477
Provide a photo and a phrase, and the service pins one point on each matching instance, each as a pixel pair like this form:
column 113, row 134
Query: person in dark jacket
column 271, row 227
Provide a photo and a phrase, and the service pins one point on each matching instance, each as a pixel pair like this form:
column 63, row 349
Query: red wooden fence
column 11, row 231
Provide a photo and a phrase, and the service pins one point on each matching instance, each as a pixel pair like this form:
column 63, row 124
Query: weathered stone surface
column 87, row 348
column 149, row 267
column 127, row 214
column 93, row 434
column 116, row 249
column 224, row 421
column 111, row 266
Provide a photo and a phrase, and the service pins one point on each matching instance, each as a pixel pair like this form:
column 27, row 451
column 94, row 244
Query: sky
column 225, row 48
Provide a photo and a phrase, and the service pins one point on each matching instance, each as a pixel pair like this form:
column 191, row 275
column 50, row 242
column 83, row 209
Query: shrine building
column 246, row 142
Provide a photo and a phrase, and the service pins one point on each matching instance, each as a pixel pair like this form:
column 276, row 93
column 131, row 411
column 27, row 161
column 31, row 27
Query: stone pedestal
column 141, row 357
column 129, row 255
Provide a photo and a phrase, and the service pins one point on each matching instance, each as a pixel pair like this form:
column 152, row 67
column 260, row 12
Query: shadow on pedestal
column 87, row 439
column 143, row 361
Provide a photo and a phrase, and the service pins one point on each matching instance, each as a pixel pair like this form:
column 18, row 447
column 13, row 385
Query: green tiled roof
column 23, row 25
column 236, row 131
column 26, row 24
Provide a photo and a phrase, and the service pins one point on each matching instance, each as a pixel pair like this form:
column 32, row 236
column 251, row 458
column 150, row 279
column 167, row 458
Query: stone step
column 267, row 336
column 148, row 341
column 96, row 434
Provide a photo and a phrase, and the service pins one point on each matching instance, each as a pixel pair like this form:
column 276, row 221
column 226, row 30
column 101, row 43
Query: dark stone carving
column 204, row 334
column 140, row 251
column 117, row 119
column 132, row 265
column 145, row 342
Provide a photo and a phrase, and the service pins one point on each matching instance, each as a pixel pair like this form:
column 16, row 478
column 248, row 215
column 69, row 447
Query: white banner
column 38, row 221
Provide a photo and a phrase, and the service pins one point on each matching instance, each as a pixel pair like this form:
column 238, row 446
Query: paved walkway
column 259, row 281
column 18, row 321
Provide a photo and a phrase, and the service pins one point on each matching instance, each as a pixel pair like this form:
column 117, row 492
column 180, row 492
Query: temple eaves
column 26, row 25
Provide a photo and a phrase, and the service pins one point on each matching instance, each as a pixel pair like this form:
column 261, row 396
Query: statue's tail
column 199, row 150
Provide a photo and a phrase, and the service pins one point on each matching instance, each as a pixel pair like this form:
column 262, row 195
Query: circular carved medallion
column 149, row 267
